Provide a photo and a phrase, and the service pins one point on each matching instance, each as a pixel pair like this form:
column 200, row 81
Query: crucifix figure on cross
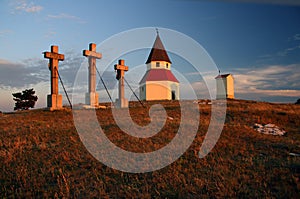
column 54, row 100
column 122, row 102
column 92, row 98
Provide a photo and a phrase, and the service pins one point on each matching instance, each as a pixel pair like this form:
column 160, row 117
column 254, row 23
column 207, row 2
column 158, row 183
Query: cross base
column 123, row 103
column 92, row 99
column 54, row 101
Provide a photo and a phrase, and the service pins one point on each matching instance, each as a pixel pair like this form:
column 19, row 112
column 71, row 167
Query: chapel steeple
column 158, row 52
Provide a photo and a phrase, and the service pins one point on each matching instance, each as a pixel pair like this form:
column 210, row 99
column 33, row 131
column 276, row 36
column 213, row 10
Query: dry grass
column 41, row 156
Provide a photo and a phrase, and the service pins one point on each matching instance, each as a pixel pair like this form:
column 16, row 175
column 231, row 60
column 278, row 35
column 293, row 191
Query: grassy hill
column 41, row 155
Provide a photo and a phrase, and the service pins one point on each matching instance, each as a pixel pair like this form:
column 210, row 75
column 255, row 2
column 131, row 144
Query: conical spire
column 158, row 52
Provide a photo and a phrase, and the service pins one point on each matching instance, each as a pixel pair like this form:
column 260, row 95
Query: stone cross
column 92, row 97
column 121, row 69
column 54, row 100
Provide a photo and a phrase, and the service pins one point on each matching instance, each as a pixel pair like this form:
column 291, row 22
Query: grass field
column 41, row 155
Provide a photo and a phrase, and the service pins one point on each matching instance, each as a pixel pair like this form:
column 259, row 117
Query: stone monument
column 92, row 98
column 54, row 100
column 122, row 102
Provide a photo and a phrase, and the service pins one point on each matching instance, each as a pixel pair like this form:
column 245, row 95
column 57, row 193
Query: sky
column 257, row 41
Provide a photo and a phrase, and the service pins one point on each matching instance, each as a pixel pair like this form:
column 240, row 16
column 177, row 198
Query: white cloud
column 34, row 73
column 16, row 75
column 281, row 93
column 34, row 9
column 66, row 16
column 5, row 32
column 25, row 6
column 272, row 81
column 277, row 83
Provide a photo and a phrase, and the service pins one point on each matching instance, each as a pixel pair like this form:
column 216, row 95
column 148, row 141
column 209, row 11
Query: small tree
column 298, row 101
column 25, row 100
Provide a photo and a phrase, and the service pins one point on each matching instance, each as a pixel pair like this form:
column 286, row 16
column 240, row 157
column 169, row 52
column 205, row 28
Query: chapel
column 159, row 83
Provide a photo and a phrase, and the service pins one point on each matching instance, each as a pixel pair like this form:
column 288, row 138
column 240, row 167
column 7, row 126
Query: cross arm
column 121, row 67
column 50, row 55
column 93, row 54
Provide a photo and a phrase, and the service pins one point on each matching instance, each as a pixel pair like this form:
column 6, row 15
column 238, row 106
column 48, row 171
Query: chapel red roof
column 159, row 75
column 158, row 52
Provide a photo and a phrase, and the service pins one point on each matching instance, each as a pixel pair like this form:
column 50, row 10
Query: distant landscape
column 41, row 155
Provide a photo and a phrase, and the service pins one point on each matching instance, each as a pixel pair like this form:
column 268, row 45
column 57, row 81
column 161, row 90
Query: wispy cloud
column 286, row 51
column 34, row 73
column 272, row 81
column 66, row 16
column 25, row 6
column 294, row 47
column 296, row 37
column 35, row 70
column 34, row 9
column 5, row 32
column 294, row 40
column 50, row 34
column 277, row 83
column 14, row 75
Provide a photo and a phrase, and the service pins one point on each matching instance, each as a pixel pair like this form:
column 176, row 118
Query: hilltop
column 42, row 156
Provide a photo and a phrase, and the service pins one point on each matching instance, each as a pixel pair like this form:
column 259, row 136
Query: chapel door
column 173, row 95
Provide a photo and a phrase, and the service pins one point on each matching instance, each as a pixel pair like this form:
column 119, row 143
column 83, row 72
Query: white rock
column 268, row 129
column 270, row 125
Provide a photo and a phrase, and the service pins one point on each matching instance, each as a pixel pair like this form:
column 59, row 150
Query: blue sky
column 258, row 42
